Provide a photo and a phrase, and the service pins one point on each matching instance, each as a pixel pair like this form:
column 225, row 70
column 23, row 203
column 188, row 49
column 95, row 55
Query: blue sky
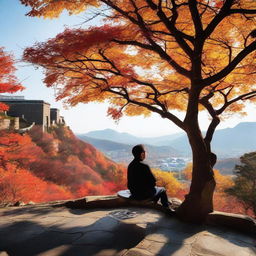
column 19, row 31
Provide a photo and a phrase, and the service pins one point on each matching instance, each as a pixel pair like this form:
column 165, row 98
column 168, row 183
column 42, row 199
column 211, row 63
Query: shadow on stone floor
column 171, row 237
column 104, row 236
column 28, row 238
column 235, row 237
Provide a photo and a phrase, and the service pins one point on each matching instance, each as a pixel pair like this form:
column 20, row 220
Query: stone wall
column 9, row 124
column 46, row 112
column 16, row 123
column 5, row 124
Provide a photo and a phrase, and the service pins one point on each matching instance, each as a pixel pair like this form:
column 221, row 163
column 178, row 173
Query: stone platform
column 47, row 230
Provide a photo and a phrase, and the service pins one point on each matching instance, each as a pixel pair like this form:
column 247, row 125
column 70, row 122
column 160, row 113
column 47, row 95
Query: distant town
column 169, row 164
column 172, row 164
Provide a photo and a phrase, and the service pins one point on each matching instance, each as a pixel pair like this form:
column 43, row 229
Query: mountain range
column 226, row 143
column 126, row 138
column 229, row 142
column 121, row 152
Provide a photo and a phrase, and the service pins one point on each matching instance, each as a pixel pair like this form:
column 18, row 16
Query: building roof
column 8, row 97
column 18, row 101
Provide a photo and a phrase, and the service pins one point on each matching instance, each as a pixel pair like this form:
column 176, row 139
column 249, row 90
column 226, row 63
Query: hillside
column 57, row 165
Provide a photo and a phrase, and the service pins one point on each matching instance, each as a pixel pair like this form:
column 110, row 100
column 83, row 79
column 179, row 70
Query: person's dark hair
column 137, row 150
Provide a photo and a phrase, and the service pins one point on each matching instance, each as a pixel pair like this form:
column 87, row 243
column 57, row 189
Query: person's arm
column 129, row 178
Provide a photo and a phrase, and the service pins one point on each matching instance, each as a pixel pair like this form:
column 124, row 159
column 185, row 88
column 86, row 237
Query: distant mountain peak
column 246, row 124
column 104, row 130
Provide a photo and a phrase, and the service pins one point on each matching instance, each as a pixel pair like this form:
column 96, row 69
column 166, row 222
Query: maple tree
column 168, row 181
column 8, row 80
column 158, row 56
column 17, row 183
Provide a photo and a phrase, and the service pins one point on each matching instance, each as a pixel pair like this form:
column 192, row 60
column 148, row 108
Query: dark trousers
column 161, row 194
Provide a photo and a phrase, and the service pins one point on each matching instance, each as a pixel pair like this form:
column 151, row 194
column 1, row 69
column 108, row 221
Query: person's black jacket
column 141, row 181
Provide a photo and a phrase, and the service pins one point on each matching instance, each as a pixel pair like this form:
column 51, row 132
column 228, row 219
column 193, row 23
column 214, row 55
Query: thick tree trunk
column 199, row 202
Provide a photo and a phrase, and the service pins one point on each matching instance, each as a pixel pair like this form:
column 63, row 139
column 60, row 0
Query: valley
column 172, row 152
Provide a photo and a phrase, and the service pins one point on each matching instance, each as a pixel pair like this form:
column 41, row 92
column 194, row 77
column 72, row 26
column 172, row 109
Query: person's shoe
column 169, row 210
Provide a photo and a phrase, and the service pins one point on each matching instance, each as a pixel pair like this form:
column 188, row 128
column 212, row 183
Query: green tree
column 244, row 188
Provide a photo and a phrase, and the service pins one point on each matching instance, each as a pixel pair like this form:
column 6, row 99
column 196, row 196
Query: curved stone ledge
column 239, row 222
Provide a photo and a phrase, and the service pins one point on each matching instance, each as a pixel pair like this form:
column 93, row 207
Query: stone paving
column 125, row 231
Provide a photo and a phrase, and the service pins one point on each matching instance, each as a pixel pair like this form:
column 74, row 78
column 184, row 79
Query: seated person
column 141, row 181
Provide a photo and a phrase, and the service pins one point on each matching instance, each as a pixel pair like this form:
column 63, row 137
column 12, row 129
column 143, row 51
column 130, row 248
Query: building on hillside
column 32, row 111
column 56, row 119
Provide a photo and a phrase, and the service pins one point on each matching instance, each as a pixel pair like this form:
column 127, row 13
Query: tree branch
column 245, row 96
column 231, row 66
column 242, row 11
column 163, row 114
column 215, row 119
column 157, row 49
column 225, row 11
column 123, row 13
column 170, row 25
column 210, row 131
column 195, row 17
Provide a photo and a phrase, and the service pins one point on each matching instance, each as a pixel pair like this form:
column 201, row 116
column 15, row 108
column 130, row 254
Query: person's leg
column 161, row 194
